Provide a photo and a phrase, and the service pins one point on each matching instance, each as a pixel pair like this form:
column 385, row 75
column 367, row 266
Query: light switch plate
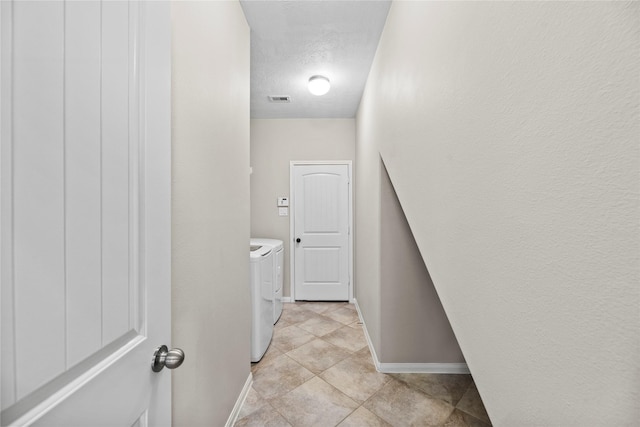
column 283, row 211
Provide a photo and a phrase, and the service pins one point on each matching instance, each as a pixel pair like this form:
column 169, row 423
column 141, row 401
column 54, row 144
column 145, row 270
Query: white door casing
column 321, row 219
column 85, row 212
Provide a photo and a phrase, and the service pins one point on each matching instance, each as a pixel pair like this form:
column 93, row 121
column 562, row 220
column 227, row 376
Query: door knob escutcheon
column 163, row 357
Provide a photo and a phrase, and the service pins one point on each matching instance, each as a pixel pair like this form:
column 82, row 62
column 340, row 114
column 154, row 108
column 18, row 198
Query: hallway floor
column 318, row 371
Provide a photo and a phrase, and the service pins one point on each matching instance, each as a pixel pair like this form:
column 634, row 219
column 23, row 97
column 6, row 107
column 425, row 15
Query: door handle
column 163, row 357
column 298, row 240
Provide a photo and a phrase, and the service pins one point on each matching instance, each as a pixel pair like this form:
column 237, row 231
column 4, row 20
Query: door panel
column 115, row 176
column 321, row 222
column 322, row 203
column 85, row 212
column 322, row 265
column 83, row 183
column 38, row 193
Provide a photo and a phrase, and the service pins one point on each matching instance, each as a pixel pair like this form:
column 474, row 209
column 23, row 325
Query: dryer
column 261, row 283
column 278, row 271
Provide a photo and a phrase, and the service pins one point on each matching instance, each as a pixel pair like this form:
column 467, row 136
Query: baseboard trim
column 414, row 368
column 286, row 299
column 424, row 368
column 367, row 337
column 233, row 417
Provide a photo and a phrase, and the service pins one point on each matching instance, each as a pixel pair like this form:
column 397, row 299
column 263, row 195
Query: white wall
column 510, row 133
column 276, row 142
column 211, row 310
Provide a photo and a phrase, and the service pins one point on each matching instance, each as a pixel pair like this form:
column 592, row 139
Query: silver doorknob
column 165, row 357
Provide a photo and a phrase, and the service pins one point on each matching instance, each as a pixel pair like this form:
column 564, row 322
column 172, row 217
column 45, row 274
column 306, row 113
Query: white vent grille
column 280, row 99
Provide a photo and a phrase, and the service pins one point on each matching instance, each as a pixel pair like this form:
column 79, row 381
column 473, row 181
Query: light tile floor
column 318, row 371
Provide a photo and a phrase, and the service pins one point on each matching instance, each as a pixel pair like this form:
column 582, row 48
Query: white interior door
column 85, row 213
column 321, row 232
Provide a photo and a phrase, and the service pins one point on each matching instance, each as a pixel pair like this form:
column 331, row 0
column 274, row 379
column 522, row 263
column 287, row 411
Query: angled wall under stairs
column 414, row 328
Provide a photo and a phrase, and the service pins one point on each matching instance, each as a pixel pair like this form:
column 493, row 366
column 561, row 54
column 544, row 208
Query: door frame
column 292, row 165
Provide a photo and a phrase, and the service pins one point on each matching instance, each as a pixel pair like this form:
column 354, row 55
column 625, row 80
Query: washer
column 261, row 277
column 278, row 271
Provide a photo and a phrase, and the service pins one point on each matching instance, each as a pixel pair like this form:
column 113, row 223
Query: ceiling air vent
column 280, row 99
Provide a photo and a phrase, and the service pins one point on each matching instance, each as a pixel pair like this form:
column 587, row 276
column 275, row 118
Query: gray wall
column 274, row 143
column 210, row 224
column 413, row 325
column 510, row 133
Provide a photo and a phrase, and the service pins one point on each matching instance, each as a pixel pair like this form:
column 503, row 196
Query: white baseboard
column 417, row 368
column 367, row 337
column 424, row 368
column 233, row 417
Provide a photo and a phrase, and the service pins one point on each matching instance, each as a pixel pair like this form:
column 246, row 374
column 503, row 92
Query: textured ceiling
column 293, row 40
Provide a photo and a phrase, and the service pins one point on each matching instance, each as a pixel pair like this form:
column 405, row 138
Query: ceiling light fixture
column 319, row 85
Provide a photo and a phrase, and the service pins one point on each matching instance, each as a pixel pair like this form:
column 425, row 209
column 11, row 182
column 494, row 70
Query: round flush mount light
column 319, row 85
